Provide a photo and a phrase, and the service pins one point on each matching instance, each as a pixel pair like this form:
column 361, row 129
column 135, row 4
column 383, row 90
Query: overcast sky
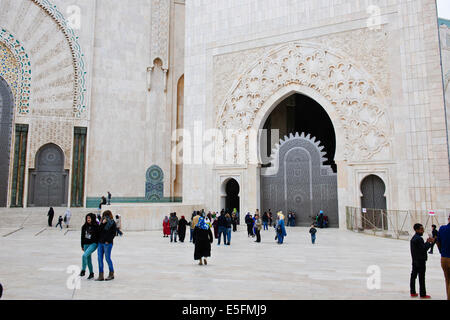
column 444, row 9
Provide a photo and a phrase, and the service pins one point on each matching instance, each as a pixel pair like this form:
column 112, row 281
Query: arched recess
column 230, row 190
column 351, row 99
column 373, row 202
column 48, row 182
column 178, row 182
column 6, row 126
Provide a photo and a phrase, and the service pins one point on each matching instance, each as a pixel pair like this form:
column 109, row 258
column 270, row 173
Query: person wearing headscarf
column 166, row 227
column 258, row 227
column 320, row 219
column 234, row 221
column 280, row 228
column 89, row 243
column 202, row 239
column 249, row 223
column 67, row 217
column 182, row 228
column 50, row 215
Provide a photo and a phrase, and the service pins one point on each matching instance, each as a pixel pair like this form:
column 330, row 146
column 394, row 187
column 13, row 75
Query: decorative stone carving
column 67, row 46
column 356, row 99
column 44, row 131
column 159, row 48
column 79, row 90
column 16, row 70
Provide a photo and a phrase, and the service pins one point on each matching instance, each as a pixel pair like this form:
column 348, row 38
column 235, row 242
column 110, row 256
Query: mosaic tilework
column 9, row 69
column 22, row 89
column 154, row 185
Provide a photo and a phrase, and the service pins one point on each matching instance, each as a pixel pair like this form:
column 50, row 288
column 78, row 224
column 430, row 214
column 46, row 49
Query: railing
column 393, row 223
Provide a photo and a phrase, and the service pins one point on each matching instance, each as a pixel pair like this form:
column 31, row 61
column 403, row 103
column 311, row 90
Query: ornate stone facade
column 356, row 98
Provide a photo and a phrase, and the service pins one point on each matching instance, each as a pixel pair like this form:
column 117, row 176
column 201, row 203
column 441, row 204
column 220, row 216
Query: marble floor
column 35, row 262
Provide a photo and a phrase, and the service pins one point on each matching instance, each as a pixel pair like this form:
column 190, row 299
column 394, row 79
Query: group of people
column 105, row 201
column 98, row 235
column 174, row 227
column 419, row 255
column 61, row 219
column 321, row 220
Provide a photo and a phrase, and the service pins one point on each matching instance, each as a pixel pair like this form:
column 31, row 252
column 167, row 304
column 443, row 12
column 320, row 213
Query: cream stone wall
column 398, row 58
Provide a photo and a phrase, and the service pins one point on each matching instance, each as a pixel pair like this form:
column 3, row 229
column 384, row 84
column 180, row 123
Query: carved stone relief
column 356, row 99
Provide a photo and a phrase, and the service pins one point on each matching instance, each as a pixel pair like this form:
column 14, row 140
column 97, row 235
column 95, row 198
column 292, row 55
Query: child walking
column 60, row 221
column 313, row 231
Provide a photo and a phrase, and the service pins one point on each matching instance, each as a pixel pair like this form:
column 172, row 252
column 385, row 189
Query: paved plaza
column 35, row 263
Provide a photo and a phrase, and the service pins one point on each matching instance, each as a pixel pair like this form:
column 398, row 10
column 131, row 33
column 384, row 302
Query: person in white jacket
column 67, row 216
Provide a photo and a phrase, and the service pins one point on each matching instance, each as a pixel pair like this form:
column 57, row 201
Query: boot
column 110, row 276
column 100, row 277
column 201, row 262
column 206, row 262
column 82, row 273
column 91, row 276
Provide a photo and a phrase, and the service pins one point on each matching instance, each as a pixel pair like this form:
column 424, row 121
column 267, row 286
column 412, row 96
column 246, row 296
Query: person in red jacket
column 166, row 227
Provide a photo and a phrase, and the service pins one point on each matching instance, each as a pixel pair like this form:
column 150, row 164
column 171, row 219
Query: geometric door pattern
column 49, row 181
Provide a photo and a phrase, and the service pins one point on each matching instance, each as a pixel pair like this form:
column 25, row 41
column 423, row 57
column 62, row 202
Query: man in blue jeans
column 228, row 229
column 443, row 243
column 222, row 224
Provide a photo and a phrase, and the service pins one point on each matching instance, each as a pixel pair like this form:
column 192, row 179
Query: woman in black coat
column 50, row 215
column 202, row 238
column 182, row 228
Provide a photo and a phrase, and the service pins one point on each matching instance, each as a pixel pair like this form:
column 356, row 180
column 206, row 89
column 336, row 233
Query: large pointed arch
column 348, row 94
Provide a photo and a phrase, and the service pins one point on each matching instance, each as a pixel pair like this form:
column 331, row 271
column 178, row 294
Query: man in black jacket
column 419, row 257
column 222, row 225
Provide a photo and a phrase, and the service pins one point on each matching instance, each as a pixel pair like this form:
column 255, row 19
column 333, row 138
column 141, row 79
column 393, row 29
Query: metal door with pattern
column 48, row 182
column 374, row 201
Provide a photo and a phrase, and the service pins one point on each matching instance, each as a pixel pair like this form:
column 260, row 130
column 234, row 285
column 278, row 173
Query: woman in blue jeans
column 89, row 239
column 107, row 232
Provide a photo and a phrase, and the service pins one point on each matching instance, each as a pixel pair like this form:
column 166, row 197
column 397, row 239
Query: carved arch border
column 348, row 89
column 79, row 103
column 23, row 90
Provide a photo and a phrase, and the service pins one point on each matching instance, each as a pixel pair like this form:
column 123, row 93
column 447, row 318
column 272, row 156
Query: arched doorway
column 299, row 172
column 373, row 202
column 6, row 121
column 232, row 195
column 48, row 181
